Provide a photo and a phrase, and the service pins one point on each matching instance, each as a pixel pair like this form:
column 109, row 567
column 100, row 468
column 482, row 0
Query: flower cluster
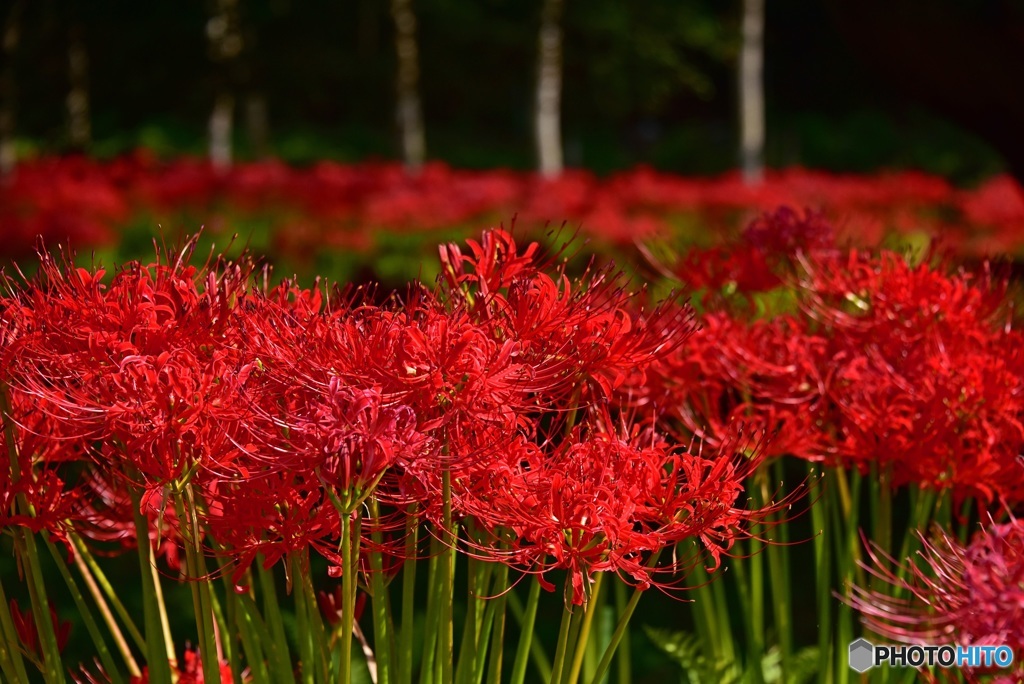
column 279, row 411
column 541, row 421
column 856, row 358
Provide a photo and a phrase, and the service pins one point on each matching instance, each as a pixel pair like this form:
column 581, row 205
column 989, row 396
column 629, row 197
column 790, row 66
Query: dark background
column 850, row 86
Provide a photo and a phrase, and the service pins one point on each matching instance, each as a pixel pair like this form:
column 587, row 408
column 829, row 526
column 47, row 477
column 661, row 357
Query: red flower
column 599, row 502
column 784, row 232
column 969, row 594
column 140, row 367
column 927, row 375
column 767, row 375
column 28, row 634
column 188, row 670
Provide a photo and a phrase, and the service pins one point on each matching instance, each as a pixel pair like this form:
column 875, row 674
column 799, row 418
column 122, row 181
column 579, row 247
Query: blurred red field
column 92, row 203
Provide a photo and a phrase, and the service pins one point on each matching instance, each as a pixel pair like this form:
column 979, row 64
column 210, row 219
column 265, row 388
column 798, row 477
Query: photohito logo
column 865, row 655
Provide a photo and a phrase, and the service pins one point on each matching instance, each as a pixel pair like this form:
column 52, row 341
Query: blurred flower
column 969, row 594
column 28, row 634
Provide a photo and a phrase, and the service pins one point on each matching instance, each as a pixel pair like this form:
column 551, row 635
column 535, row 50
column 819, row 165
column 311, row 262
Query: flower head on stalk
column 139, row 366
column 764, row 374
column 970, row 594
column 575, row 341
column 610, row 501
column 927, row 374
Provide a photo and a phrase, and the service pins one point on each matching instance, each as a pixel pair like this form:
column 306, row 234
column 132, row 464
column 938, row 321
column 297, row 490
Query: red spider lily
column 599, row 502
column 40, row 445
column 969, row 594
column 188, row 670
column 767, row 375
column 742, row 268
column 28, row 634
column 495, row 263
column 140, row 367
column 45, row 494
column 358, row 436
column 273, row 513
column 762, row 259
column 927, row 374
column 578, row 340
column 344, row 435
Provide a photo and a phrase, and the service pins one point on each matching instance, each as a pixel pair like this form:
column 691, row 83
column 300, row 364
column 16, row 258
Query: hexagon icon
column 862, row 655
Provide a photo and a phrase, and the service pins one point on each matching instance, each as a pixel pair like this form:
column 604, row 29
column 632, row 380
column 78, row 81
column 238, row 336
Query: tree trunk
column 221, row 130
column 79, row 123
column 408, row 111
column 547, row 109
column 751, row 92
column 225, row 43
column 8, row 48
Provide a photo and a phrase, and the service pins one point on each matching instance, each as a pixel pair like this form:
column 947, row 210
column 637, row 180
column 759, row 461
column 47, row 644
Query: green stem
column 277, row 646
column 381, row 618
column 87, row 617
column 501, row 591
column 881, row 514
column 479, row 577
column 965, row 518
column 165, row 624
column 199, row 587
column 94, row 575
column 779, row 577
column 244, row 620
column 705, row 613
column 823, row 579
column 229, row 630
column 526, row 618
column 923, row 502
column 52, row 667
column 311, row 620
column 713, row 613
column 622, row 627
column 445, row 629
column 751, row 596
column 349, row 563
column 28, row 554
column 620, row 630
column 156, row 658
column 434, row 582
column 845, row 525
column 307, row 665
column 408, row 630
column 14, row 662
column 593, row 607
column 568, row 617
column 624, row 657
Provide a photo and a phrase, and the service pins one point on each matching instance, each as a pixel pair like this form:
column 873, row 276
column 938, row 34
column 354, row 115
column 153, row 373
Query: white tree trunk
column 225, row 43
column 79, row 123
column 751, row 92
column 221, row 130
column 8, row 47
column 547, row 107
column 408, row 110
